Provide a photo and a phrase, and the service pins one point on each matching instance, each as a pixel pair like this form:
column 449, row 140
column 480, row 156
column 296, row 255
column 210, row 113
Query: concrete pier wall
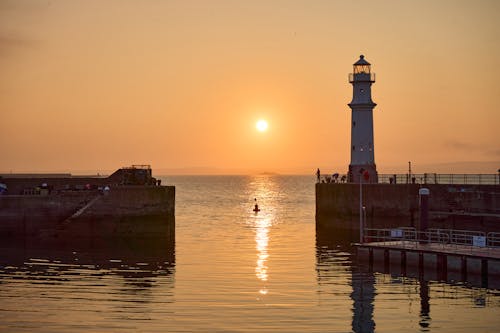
column 123, row 210
column 472, row 207
column 134, row 201
column 28, row 214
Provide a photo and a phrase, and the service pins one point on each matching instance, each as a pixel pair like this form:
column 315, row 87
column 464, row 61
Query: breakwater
column 128, row 203
column 121, row 211
column 471, row 207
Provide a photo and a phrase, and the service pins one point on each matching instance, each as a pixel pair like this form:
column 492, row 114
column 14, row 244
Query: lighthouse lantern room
column 362, row 167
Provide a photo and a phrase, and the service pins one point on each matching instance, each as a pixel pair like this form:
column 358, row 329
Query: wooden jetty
column 459, row 254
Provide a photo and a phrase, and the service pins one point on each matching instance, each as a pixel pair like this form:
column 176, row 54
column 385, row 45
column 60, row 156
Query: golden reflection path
column 263, row 188
column 262, row 242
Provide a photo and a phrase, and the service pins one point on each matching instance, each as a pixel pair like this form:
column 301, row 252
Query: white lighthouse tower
column 362, row 147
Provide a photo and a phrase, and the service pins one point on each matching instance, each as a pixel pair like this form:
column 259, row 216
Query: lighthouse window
column 362, row 90
column 353, row 147
column 353, row 124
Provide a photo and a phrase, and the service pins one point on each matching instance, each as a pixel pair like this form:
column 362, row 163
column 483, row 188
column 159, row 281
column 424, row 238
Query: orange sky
column 93, row 85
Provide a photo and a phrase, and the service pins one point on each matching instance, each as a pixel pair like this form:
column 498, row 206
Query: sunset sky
column 96, row 85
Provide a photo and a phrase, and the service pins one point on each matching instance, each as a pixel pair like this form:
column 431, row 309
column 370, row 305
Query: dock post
column 370, row 258
column 464, row 268
column 442, row 266
column 484, row 273
column 403, row 262
column 386, row 261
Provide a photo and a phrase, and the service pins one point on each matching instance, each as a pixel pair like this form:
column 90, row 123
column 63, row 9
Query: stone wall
column 389, row 205
column 110, row 214
column 29, row 214
column 134, row 201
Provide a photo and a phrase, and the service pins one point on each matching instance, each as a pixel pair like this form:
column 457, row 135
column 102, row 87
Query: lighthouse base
column 357, row 171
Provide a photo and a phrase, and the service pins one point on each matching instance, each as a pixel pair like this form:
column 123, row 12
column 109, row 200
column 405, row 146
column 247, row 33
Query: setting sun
column 261, row 125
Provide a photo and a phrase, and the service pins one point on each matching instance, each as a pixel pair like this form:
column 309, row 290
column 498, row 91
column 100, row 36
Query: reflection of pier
column 99, row 250
column 65, row 290
column 139, row 261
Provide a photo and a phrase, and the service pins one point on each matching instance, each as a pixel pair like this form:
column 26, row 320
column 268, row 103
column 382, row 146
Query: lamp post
column 423, row 194
column 366, row 175
column 409, row 173
column 361, row 208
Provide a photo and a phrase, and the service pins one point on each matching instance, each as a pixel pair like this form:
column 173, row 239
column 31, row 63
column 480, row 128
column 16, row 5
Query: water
column 233, row 270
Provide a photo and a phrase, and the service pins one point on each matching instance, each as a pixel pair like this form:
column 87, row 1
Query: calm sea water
column 232, row 271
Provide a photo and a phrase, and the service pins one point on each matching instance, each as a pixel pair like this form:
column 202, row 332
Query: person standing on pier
column 318, row 175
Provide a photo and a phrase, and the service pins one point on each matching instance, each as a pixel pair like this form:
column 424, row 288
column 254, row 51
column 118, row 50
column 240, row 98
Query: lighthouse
column 362, row 166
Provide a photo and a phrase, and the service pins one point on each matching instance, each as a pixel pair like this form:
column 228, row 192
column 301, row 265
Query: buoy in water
column 256, row 207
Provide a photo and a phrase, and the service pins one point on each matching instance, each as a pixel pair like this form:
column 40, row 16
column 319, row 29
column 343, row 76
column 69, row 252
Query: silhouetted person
column 318, row 174
column 335, row 177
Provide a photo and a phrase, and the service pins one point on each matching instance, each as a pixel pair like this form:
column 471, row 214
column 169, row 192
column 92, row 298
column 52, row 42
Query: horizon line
column 462, row 167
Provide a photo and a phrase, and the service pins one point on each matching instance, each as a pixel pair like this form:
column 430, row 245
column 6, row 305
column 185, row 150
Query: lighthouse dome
column 362, row 61
column 361, row 66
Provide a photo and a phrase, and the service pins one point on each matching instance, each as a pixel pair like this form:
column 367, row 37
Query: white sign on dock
column 396, row 233
column 479, row 241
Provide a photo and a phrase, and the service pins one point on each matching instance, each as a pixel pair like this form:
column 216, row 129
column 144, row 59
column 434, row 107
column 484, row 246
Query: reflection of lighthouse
column 362, row 147
column 331, row 248
column 363, row 297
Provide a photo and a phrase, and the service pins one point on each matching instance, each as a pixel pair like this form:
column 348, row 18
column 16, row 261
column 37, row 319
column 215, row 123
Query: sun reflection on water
column 262, row 240
column 265, row 190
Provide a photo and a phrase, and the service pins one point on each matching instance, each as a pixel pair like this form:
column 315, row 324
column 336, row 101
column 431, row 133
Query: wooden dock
column 444, row 261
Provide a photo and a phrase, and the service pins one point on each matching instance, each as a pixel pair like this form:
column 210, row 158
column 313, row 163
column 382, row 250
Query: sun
column 261, row 125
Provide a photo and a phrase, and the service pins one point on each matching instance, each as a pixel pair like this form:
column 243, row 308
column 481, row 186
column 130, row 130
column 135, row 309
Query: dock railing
column 439, row 178
column 423, row 178
column 405, row 236
column 410, row 237
column 493, row 239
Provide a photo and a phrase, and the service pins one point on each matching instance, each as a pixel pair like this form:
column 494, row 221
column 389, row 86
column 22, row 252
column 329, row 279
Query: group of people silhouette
column 334, row 178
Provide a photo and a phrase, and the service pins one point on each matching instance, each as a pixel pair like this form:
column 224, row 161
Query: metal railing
column 493, row 239
column 437, row 178
column 408, row 236
column 424, row 178
column 360, row 77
